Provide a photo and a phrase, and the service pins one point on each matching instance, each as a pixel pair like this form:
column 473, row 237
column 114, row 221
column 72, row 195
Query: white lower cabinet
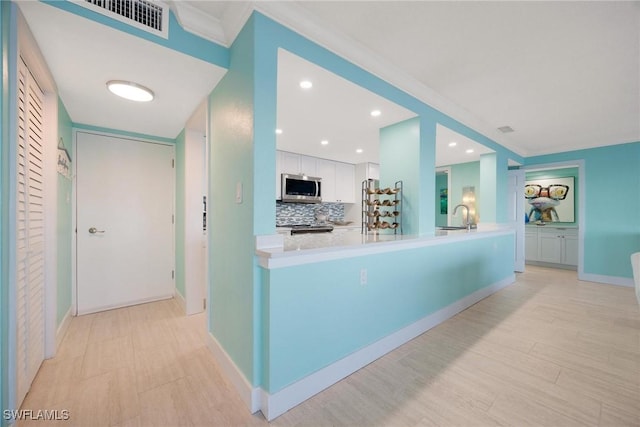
column 554, row 245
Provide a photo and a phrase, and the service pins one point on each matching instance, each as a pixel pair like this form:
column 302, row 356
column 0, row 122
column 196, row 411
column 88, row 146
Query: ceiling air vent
column 151, row 16
column 505, row 129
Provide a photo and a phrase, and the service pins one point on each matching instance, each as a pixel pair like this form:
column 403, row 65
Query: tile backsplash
column 305, row 213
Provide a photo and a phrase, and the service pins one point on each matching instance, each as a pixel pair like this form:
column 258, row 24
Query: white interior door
column 516, row 214
column 125, row 202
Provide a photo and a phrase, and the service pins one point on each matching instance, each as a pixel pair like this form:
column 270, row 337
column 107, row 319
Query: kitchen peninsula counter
column 288, row 250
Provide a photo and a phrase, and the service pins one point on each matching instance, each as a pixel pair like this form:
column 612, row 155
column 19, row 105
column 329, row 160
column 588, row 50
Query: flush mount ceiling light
column 453, row 144
column 376, row 113
column 129, row 90
column 324, row 142
column 306, row 84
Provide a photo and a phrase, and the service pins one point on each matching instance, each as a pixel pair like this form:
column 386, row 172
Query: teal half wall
column 64, row 230
column 316, row 314
column 611, row 206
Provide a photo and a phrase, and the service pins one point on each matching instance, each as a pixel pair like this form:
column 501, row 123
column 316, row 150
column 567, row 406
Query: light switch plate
column 238, row 192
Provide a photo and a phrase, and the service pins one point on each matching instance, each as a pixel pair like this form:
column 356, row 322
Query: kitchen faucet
column 468, row 220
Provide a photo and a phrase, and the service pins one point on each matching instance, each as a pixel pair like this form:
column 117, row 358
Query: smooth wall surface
column 612, row 203
column 231, row 170
column 316, row 314
column 64, row 226
column 464, row 175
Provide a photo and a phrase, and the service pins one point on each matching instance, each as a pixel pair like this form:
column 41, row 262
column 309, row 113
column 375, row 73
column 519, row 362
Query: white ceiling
column 564, row 75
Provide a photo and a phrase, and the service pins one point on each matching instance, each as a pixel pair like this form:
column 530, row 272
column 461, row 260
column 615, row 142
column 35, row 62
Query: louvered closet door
column 30, row 232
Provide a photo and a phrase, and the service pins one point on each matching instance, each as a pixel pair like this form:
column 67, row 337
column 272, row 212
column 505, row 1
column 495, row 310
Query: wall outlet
column 363, row 276
column 238, row 192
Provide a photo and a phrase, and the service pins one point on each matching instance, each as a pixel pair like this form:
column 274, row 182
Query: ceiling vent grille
column 150, row 16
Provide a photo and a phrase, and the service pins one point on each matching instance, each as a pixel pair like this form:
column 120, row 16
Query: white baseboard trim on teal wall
column 608, row 280
column 274, row 405
column 250, row 395
column 62, row 328
column 181, row 301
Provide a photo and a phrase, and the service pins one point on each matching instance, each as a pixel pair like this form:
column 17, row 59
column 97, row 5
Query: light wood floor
column 548, row 351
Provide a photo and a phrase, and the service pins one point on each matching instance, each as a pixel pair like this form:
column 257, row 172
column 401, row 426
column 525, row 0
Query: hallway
column 548, row 350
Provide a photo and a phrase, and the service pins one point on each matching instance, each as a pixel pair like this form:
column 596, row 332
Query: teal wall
column 231, row 161
column 400, row 161
column 64, row 227
column 559, row 173
column 611, row 205
column 442, row 183
column 5, row 22
column 316, row 314
column 463, row 175
column 180, row 213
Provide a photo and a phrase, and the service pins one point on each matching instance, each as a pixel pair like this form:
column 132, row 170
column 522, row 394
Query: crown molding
column 196, row 21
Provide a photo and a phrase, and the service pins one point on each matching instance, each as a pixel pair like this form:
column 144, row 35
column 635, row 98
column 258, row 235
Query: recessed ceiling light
column 359, row 150
column 376, row 113
column 306, row 84
column 129, row 90
column 279, row 131
column 324, row 142
column 453, row 144
column 469, row 151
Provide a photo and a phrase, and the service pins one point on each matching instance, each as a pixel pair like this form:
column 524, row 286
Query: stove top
column 310, row 228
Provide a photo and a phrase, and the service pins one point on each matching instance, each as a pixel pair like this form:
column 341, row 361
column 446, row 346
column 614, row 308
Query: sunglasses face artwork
column 554, row 192
column 544, row 200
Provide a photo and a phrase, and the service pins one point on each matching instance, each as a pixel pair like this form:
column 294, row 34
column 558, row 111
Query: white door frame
column 74, row 205
column 581, row 202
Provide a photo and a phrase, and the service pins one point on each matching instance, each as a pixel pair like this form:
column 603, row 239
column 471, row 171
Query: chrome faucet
column 468, row 220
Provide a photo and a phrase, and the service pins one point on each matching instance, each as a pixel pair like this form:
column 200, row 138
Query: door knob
column 94, row 230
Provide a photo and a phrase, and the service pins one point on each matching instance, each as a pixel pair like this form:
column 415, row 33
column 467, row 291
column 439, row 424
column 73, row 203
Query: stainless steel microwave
column 301, row 188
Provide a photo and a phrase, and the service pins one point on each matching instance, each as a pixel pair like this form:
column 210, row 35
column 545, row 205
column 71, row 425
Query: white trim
column 274, row 405
column 197, row 22
column 63, row 328
column 608, row 280
column 128, row 304
column 250, row 395
column 183, row 303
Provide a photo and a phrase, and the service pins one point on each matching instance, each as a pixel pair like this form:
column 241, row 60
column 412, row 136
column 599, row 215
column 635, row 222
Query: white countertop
column 286, row 250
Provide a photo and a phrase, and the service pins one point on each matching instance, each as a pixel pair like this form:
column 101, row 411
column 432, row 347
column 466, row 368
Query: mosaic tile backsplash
column 305, row 213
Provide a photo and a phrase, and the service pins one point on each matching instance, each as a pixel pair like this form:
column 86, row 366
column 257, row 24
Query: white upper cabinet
column 327, row 171
column 345, row 183
column 338, row 178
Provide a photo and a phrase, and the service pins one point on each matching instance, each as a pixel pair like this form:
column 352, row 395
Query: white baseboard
column 62, row 328
column 273, row 405
column 607, row 280
column 181, row 301
column 250, row 395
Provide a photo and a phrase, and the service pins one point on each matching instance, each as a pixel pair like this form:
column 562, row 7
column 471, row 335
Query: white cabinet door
column 374, row 171
column 531, row 246
column 345, row 183
column 570, row 250
column 327, row 171
column 290, row 163
column 308, row 166
column 550, row 247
